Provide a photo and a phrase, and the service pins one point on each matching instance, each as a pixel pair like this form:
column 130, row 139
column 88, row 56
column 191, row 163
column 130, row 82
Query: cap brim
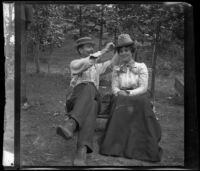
column 83, row 43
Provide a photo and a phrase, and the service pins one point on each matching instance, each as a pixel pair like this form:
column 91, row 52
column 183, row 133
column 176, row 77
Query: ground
column 41, row 146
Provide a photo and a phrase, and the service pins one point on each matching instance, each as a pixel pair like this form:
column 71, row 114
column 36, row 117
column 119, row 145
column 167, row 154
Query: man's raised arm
column 80, row 65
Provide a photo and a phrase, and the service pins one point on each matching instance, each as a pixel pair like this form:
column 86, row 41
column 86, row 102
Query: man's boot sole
column 66, row 134
column 77, row 162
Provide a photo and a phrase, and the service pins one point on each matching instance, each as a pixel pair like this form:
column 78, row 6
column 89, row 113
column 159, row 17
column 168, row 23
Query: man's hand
column 123, row 93
column 109, row 46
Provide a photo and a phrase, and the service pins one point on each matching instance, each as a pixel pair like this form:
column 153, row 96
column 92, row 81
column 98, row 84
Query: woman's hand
column 123, row 93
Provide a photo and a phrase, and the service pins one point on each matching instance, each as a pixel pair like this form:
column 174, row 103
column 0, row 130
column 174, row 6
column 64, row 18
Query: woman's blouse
column 133, row 77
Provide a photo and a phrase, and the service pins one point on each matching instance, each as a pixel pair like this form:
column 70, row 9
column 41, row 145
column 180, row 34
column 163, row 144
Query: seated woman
column 133, row 130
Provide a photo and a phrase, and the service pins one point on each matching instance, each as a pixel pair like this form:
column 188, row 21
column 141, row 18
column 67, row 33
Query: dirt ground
column 41, row 146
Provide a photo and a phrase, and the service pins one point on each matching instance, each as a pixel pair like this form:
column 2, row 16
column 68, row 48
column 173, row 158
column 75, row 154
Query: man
column 84, row 102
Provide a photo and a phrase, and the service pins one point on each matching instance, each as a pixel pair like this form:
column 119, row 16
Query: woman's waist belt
column 126, row 88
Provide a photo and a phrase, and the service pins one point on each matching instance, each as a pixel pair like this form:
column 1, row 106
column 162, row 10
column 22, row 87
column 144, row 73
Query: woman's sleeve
column 115, row 83
column 143, row 81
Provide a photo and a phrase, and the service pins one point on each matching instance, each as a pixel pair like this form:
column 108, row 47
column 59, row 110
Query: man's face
column 86, row 50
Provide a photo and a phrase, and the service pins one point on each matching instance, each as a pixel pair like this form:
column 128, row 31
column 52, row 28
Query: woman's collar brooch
column 123, row 67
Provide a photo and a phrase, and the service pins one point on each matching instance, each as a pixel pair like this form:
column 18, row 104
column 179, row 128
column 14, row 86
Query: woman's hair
column 116, row 60
column 132, row 48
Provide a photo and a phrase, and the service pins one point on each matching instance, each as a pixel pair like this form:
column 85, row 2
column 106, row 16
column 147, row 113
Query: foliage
column 84, row 17
column 140, row 20
column 48, row 25
column 52, row 22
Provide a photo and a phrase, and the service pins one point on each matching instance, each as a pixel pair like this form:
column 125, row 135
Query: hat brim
column 83, row 43
column 124, row 44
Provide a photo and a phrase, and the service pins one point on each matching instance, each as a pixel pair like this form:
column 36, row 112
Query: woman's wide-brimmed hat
column 124, row 40
column 84, row 40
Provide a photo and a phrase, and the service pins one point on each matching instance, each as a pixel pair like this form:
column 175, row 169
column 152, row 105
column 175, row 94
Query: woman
column 132, row 131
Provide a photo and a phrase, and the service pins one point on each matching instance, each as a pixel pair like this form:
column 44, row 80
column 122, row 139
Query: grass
column 40, row 145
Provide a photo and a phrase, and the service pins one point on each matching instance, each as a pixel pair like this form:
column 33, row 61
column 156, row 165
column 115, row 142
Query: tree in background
column 25, row 20
column 152, row 22
column 157, row 26
column 47, row 30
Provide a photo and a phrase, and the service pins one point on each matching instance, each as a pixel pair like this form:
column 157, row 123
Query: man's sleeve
column 103, row 66
column 80, row 65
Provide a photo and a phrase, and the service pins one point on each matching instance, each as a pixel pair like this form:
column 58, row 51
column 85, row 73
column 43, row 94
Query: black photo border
column 191, row 140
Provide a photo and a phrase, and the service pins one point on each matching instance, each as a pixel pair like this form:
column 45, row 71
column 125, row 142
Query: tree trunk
column 154, row 58
column 115, row 36
column 48, row 66
column 101, row 28
column 116, row 25
column 50, row 55
column 136, row 54
column 37, row 58
column 80, row 17
column 23, row 62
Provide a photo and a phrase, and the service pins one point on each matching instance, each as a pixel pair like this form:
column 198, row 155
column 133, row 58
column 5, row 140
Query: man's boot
column 80, row 157
column 67, row 130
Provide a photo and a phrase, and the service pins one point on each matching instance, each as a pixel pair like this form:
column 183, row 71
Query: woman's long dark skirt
column 132, row 130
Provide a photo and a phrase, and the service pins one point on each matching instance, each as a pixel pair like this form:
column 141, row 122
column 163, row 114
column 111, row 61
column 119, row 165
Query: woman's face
column 125, row 54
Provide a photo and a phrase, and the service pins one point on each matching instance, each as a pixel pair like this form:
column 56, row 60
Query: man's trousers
column 83, row 106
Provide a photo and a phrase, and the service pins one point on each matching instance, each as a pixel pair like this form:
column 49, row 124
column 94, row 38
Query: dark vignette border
column 191, row 66
column 17, row 85
column 191, row 120
column 3, row 94
column 17, row 54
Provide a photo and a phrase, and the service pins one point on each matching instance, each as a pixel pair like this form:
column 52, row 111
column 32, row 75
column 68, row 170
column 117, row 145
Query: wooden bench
column 178, row 97
column 179, row 86
column 106, row 95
